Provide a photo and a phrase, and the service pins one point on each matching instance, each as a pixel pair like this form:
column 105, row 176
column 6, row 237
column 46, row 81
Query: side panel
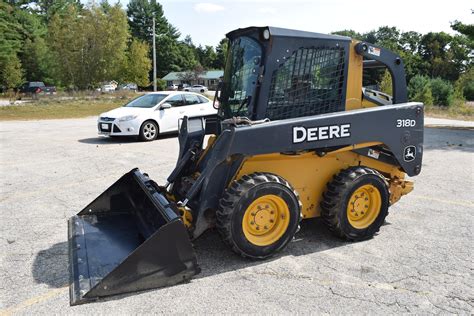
column 399, row 127
column 308, row 173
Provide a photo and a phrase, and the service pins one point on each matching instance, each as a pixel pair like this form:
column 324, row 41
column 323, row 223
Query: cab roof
column 282, row 32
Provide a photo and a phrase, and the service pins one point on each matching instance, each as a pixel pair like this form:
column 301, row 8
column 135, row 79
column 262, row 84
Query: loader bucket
column 128, row 239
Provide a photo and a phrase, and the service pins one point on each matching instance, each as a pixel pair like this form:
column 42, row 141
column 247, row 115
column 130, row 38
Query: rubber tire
column 202, row 90
column 339, row 191
column 141, row 135
column 235, row 201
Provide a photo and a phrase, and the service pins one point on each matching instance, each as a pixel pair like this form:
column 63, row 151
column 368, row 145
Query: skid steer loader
column 296, row 137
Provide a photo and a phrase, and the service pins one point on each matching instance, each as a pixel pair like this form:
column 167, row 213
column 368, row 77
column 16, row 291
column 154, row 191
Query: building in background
column 209, row 79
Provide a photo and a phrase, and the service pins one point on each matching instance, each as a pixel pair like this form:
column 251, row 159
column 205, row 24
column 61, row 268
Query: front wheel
column 148, row 131
column 258, row 215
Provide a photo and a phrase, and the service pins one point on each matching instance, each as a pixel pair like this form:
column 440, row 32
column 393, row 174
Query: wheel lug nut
column 265, row 227
column 271, row 221
column 272, row 212
column 258, row 227
column 253, row 214
column 366, row 199
column 252, row 223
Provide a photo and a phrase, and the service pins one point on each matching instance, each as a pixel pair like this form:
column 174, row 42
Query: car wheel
column 202, row 90
column 187, row 90
column 149, row 131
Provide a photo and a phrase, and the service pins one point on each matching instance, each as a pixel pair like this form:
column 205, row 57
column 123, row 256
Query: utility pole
column 154, row 55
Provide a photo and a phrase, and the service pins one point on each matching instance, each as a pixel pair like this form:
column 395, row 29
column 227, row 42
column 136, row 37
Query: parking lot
column 420, row 262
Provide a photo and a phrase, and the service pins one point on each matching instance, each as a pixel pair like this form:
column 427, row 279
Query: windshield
column 146, row 101
column 240, row 76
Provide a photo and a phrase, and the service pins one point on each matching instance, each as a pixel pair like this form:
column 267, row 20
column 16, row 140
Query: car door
column 193, row 105
column 170, row 117
column 206, row 107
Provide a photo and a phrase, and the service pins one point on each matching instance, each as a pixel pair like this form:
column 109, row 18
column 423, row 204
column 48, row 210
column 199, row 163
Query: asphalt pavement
column 421, row 261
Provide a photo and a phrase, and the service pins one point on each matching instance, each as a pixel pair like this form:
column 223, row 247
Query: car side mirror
column 165, row 106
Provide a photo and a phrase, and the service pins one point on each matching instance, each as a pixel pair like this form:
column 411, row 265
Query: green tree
column 168, row 53
column 465, row 29
column 94, row 48
column 349, row 33
column 37, row 61
column 386, row 83
column 138, row 64
column 11, row 73
column 442, row 91
column 419, row 89
column 221, row 54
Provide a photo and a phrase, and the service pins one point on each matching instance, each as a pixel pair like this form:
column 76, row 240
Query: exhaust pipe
column 128, row 239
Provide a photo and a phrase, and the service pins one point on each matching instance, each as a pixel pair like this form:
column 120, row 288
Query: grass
column 462, row 111
column 82, row 105
column 58, row 108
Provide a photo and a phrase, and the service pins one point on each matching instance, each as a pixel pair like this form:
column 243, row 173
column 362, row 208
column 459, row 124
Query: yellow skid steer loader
column 296, row 136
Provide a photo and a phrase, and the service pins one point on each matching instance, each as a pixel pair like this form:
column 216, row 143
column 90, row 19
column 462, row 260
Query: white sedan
column 196, row 88
column 154, row 113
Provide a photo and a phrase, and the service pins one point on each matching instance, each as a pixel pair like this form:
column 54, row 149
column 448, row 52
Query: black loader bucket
column 128, row 239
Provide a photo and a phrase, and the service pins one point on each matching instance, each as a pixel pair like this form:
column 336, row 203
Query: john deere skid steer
column 297, row 136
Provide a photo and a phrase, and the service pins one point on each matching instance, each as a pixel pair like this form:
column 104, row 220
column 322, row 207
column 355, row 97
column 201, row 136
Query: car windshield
column 240, row 76
column 146, row 101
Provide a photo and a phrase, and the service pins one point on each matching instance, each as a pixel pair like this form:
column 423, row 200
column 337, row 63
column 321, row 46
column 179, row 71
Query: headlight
column 128, row 118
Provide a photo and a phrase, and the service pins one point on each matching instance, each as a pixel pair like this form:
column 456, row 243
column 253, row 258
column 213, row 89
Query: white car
column 107, row 88
column 154, row 113
column 196, row 88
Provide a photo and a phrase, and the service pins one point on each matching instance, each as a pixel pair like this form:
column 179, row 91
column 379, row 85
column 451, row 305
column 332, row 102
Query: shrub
column 419, row 90
column 468, row 91
column 442, row 91
column 160, row 84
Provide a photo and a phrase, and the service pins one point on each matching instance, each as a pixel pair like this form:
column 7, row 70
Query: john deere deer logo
column 409, row 153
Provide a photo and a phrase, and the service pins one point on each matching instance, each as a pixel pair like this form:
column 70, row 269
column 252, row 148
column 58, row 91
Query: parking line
column 33, row 301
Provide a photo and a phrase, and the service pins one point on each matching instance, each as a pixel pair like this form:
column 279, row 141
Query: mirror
column 217, row 95
column 165, row 106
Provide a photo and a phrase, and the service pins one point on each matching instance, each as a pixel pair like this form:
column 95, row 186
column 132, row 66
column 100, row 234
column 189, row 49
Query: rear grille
column 107, row 119
column 310, row 82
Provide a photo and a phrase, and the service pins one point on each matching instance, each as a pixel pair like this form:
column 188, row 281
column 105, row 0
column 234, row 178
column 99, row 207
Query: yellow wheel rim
column 266, row 220
column 364, row 206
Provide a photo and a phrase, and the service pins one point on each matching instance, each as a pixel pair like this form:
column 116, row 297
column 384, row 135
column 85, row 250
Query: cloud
column 206, row 7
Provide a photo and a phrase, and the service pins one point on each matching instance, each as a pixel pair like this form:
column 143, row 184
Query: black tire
column 202, row 90
column 236, row 201
column 334, row 207
column 149, row 131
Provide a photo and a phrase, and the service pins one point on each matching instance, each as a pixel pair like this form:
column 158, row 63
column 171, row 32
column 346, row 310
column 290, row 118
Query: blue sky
column 208, row 21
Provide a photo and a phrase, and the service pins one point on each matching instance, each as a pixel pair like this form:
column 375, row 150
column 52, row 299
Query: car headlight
column 128, row 118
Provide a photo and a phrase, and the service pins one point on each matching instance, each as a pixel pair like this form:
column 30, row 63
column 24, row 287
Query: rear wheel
column 148, row 131
column 258, row 215
column 356, row 203
column 202, row 90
